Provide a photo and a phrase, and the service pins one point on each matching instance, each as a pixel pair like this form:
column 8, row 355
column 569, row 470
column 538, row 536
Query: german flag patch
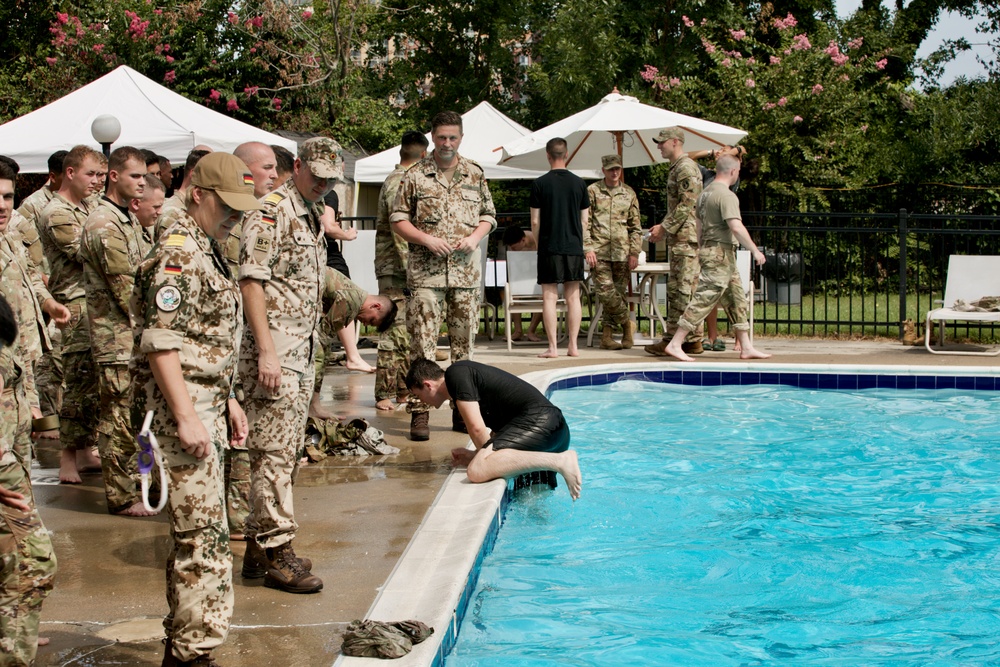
column 173, row 269
column 268, row 220
column 175, row 241
column 247, row 179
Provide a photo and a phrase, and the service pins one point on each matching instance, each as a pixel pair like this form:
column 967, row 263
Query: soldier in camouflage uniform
column 443, row 209
column 680, row 230
column 391, row 252
column 62, row 224
column 27, row 562
column 186, row 307
column 31, row 210
column 611, row 245
column 344, row 302
column 721, row 232
column 177, row 203
column 111, row 247
column 282, row 266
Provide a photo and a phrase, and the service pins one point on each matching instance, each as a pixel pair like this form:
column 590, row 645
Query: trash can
column 782, row 277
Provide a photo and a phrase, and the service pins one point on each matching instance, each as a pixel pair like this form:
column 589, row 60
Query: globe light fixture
column 106, row 129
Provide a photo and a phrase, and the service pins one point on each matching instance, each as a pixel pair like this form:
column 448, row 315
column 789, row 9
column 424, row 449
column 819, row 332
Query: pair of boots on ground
column 280, row 568
column 628, row 337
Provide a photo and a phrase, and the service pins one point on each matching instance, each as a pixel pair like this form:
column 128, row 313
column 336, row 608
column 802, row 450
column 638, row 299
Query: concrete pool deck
column 356, row 518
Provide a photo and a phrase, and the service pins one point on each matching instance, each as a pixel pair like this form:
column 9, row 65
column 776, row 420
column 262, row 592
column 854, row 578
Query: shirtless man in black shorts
column 514, row 427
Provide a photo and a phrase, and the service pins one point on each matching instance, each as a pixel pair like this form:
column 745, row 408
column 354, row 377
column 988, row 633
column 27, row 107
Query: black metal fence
column 847, row 274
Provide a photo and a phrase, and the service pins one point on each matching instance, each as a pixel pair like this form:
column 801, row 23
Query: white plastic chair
column 970, row 278
column 523, row 294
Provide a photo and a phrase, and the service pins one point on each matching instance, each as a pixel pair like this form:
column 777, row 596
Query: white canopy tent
column 151, row 117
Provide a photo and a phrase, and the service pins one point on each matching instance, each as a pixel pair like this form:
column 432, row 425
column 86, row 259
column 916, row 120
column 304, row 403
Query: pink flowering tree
column 813, row 103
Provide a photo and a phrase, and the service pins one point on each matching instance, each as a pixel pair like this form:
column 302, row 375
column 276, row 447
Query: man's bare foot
column 677, row 352
column 317, row 411
column 515, row 335
column 573, row 352
column 462, row 457
column 359, row 365
column 384, row 404
column 135, row 510
column 533, row 337
column 87, row 460
column 549, row 354
column 68, row 474
column 48, row 435
column 570, row 470
column 753, row 353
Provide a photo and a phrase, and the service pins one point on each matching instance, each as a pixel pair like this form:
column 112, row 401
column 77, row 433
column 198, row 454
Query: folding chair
column 970, row 278
column 523, row 294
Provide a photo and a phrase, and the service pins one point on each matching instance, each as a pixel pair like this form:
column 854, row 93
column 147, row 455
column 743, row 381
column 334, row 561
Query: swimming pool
column 436, row 577
column 754, row 524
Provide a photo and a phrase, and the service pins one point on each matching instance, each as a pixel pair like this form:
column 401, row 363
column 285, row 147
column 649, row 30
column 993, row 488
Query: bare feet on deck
column 549, row 354
column 87, row 460
column 516, row 335
column 676, row 352
column 359, row 365
column 384, row 404
column 572, row 351
column 135, row 510
column 317, row 411
column 68, row 474
column 753, row 353
column 533, row 337
column 570, row 470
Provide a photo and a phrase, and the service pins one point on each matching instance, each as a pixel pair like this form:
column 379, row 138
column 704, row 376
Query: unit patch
column 168, row 298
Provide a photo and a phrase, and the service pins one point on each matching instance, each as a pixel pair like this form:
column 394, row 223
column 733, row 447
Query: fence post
column 903, row 231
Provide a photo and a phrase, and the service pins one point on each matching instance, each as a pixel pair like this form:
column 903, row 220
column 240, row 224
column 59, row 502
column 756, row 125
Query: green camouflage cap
column 323, row 157
column 609, row 161
column 669, row 133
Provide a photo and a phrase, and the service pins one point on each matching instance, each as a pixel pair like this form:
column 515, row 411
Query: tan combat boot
column 255, row 561
column 607, row 342
column 628, row 334
column 285, row 572
column 658, row 348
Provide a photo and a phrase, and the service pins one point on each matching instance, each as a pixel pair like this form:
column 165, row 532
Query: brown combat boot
column 285, row 572
column 659, row 349
column 607, row 342
column 694, row 347
column 255, row 561
column 169, row 660
column 420, row 428
column 628, row 334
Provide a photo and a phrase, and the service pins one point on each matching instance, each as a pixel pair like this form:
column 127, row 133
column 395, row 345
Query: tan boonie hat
column 323, row 157
column 609, row 161
column 227, row 176
column 669, row 133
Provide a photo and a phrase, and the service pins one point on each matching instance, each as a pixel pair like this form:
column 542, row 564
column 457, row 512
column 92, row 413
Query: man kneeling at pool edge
column 515, row 429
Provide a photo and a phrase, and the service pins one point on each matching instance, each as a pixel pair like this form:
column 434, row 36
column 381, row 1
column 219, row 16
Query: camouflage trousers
column 116, row 440
column 719, row 284
column 237, row 473
column 277, row 428
column 426, row 309
column 393, row 360
column 27, row 561
column 81, row 401
column 611, row 287
column 49, row 376
column 200, row 564
column 681, row 281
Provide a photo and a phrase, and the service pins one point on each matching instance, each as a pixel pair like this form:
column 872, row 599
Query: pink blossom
column 251, row 91
column 738, row 34
column 256, row 21
column 751, row 83
column 233, row 18
column 768, row 106
column 788, row 52
column 817, row 89
column 833, row 50
column 307, row 14
column 158, row 12
column 775, row 60
column 788, row 22
column 214, row 95
column 276, row 103
column 726, row 62
column 844, row 78
column 136, row 27
column 855, row 43
column 797, row 119
column 709, row 47
column 97, row 48
column 864, row 128
column 51, row 61
column 62, row 18
column 801, row 43
column 882, row 63
column 169, row 76
column 783, row 101
column 169, row 59
column 688, row 22
column 674, row 81
column 166, row 47
column 253, row 49
column 751, row 61
column 232, row 105
column 649, row 73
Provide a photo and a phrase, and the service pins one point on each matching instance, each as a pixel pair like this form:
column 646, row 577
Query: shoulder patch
column 176, row 239
column 268, row 220
column 274, row 198
column 262, row 244
column 168, row 298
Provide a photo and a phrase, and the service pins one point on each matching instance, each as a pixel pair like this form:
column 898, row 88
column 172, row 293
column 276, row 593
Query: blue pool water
column 754, row 525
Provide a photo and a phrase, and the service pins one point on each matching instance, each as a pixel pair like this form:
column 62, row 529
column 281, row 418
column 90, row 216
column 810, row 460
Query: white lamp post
column 106, row 129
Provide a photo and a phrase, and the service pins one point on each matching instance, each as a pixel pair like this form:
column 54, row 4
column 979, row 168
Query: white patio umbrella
column 617, row 124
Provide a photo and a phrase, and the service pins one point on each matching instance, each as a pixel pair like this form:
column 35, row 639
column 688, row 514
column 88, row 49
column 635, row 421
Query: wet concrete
column 356, row 517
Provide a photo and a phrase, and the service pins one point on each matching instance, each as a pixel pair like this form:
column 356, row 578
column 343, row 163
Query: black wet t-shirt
column 501, row 396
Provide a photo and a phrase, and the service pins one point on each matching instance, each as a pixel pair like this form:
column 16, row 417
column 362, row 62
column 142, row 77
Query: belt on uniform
column 718, row 244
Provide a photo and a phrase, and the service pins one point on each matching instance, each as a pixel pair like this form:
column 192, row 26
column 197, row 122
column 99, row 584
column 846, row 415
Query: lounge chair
column 970, row 278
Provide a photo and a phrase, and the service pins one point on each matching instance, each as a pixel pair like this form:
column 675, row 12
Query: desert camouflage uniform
column 719, row 281
column 25, row 291
column 27, row 561
column 614, row 235
column 443, row 288
column 391, row 252
column 186, row 300
column 62, row 228
column 285, row 248
column 683, row 188
column 112, row 246
column 168, row 216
